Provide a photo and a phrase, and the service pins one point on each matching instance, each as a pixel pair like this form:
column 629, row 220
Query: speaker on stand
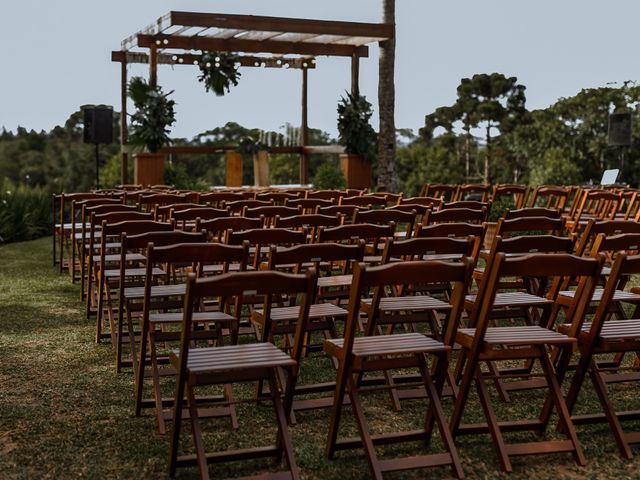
column 98, row 130
column 620, row 134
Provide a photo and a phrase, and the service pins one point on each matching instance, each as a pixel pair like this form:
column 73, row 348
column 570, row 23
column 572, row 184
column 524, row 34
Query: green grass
column 66, row 413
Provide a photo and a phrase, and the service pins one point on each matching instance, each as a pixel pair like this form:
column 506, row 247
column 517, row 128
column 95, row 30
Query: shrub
column 328, row 176
column 25, row 213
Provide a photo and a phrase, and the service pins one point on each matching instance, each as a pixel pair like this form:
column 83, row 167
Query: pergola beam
column 189, row 59
column 250, row 46
column 277, row 24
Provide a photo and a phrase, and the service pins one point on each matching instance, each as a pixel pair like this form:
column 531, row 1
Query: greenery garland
column 250, row 146
column 218, row 71
column 356, row 133
column 153, row 117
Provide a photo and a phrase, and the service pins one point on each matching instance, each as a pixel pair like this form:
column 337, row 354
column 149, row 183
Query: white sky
column 56, row 57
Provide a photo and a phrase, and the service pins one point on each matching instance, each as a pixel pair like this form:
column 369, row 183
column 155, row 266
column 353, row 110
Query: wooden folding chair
column 162, row 213
column 261, row 238
column 148, row 203
column 404, row 221
column 473, row 191
column 93, row 252
column 113, row 269
column 347, row 211
column 455, row 230
column 448, row 193
column 308, row 205
column 517, row 193
column 548, row 196
column 217, row 228
column 482, row 343
column 353, row 233
column 600, row 338
column 310, row 223
column 187, row 219
column 161, row 315
column 358, row 355
column 269, row 213
column 238, row 363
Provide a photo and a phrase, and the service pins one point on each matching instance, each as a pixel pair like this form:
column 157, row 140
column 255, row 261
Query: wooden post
column 304, row 131
column 124, row 155
column 153, row 65
column 355, row 74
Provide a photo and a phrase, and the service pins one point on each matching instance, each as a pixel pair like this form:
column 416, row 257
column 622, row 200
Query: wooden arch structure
column 271, row 42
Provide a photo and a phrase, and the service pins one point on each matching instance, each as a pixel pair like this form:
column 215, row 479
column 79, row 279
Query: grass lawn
column 65, row 413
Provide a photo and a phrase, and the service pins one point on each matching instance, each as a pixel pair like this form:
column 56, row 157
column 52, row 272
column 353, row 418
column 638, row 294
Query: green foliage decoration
column 218, row 71
column 356, row 133
column 328, row 176
column 153, row 117
column 249, row 145
column 25, row 212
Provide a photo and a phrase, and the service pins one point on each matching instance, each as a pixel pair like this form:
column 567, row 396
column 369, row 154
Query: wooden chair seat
column 216, row 269
column 618, row 296
column 198, row 317
column 512, row 299
column 335, row 281
column 414, row 303
column 133, row 293
column 116, row 257
column 396, row 344
column 612, row 330
column 234, row 357
column 133, row 272
column 318, row 310
column 515, row 336
column 97, row 246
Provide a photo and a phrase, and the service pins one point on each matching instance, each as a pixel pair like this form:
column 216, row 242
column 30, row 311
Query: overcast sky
column 57, row 57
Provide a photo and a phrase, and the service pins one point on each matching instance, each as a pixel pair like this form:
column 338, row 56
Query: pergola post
column 124, row 155
column 153, row 65
column 355, row 74
column 304, row 131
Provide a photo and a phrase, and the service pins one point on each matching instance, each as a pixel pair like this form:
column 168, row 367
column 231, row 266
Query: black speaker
column 619, row 129
column 98, row 125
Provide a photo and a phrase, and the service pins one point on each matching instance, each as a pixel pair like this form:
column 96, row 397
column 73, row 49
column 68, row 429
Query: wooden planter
column 356, row 171
column 148, row 169
column 261, row 169
column 234, row 169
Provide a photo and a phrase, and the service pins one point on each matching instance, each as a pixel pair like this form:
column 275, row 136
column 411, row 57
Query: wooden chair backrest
column 333, row 195
column 457, row 215
column 384, row 216
column 148, row 202
column 471, row 204
column 417, row 248
column 455, row 230
column 364, row 201
column 550, row 197
column 269, row 212
column 162, row 211
column 238, row 206
column 262, row 238
column 447, row 192
column 516, row 191
column 201, row 212
column 218, row 227
column 473, row 189
column 531, row 212
column 279, row 198
column 308, row 205
column 521, row 225
column 347, row 211
column 215, row 199
column 435, row 203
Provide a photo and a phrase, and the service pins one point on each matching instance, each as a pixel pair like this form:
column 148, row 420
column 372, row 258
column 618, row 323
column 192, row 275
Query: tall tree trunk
column 387, row 179
column 487, row 155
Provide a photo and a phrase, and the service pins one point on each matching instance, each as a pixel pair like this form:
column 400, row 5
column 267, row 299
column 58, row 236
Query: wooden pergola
column 269, row 42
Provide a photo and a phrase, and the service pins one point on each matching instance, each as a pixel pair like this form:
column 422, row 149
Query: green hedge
column 25, row 213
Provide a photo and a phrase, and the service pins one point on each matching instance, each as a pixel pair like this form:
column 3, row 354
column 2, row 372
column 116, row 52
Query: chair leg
column 155, row 375
column 565, row 417
column 492, row 421
column 363, row 428
column 177, row 421
column 196, row 433
column 102, row 291
column 336, row 410
column 139, row 383
column 284, row 440
column 601, row 390
column 436, row 412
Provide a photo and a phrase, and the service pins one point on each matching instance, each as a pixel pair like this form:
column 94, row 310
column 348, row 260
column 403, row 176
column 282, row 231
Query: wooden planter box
column 148, row 169
column 356, row 171
column 234, row 169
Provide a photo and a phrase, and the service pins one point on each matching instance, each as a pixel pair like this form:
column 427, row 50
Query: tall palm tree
column 387, row 179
